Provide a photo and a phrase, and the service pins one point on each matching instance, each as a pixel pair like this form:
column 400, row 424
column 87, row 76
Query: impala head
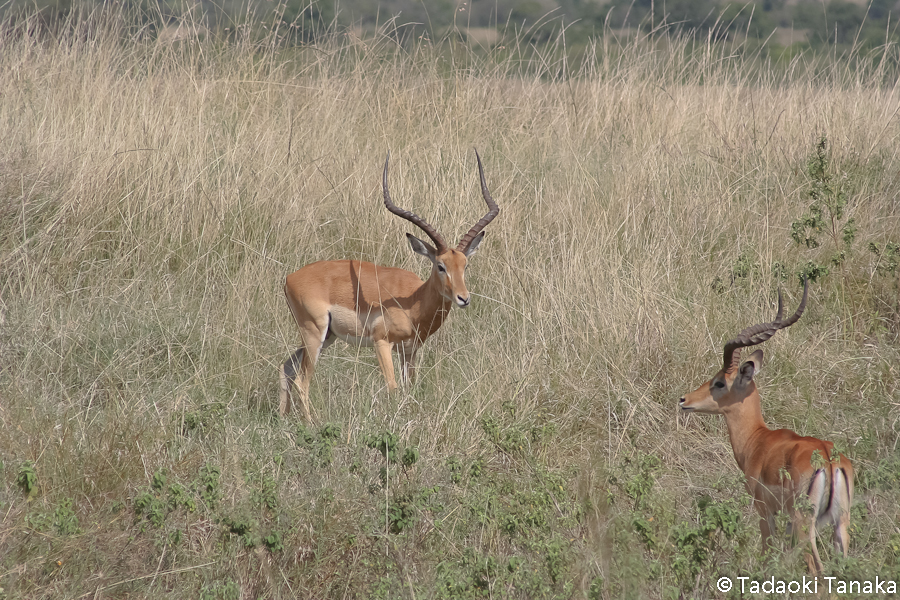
column 448, row 264
column 733, row 383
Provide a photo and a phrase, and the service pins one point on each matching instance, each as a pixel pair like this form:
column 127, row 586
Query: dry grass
column 154, row 194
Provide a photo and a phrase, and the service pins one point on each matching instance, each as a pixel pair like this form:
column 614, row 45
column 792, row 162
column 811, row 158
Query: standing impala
column 780, row 466
column 362, row 303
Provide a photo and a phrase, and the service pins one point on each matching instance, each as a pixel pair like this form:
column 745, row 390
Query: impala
column 370, row 305
column 780, row 467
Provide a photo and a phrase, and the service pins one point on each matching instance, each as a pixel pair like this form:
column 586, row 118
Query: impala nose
column 462, row 302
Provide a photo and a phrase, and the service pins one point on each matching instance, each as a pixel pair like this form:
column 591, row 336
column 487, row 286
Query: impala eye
column 719, row 384
column 442, row 269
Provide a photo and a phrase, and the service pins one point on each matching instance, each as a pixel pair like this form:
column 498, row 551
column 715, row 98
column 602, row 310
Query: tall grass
column 155, row 190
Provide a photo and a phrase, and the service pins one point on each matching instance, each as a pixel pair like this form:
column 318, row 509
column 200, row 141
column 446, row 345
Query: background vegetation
column 782, row 27
column 156, row 189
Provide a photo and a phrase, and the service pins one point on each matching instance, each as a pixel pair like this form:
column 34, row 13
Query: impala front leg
column 383, row 352
column 766, row 524
column 765, row 529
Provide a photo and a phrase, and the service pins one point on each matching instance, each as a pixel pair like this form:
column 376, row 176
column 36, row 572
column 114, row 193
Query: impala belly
column 351, row 327
column 364, row 329
column 774, row 496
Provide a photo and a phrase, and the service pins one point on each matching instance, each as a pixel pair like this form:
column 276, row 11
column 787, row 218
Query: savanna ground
column 154, row 193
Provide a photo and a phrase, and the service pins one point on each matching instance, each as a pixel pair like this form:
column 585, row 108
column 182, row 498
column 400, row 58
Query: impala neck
column 433, row 307
column 745, row 422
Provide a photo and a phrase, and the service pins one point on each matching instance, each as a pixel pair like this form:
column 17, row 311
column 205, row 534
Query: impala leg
column 812, row 557
column 302, row 363
column 818, row 495
column 843, row 491
column 841, row 533
column 766, row 527
column 766, row 521
column 288, row 372
column 383, row 352
column 408, row 365
column 316, row 339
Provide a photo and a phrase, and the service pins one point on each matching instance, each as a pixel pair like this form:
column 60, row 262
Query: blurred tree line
column 806, row 23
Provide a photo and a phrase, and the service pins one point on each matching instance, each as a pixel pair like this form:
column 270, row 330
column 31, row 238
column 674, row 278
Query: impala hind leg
column 818, row 489
column 841, row 534
column 300, row 367
column 806, row 524
column 407, row 366
column 320, row 342
column 843, row 492
column 289, row 371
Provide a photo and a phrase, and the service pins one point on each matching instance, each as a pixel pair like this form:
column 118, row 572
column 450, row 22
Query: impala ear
column 473, row 245
column 420, row 247
column 750, row 368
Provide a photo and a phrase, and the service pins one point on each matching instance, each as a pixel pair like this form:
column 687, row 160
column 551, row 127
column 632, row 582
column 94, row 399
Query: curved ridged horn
column 756, row 334
column 412, row 217
column 493, row 211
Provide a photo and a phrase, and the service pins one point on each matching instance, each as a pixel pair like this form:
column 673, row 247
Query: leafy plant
column 200, row 420
column 179, row 497
column 265, row 492
column 388, row 445
column 695, row 543
column 813, row 272
column 321, row 443
column 274, row 541
column 208, row 484
column 642, row 480
column 27, row 477
column 158, row 482
column 244, row 527
column 644, row 530
column 884, row 475
column 151, row 507
column 511, row 440
column 556, row 553
column 385, row 443
column 828, row 194
column 888, row 257
column 227, row 590
column 410, row 456
column 475, row 574
column 744, row 267
column 403, row 511
column 64, row 518
column 455, row 467
column 156, row 503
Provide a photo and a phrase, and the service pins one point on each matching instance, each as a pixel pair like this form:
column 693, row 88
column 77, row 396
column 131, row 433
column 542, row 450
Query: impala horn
column 493, row 211
column 410, row 216
column 757, row 334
